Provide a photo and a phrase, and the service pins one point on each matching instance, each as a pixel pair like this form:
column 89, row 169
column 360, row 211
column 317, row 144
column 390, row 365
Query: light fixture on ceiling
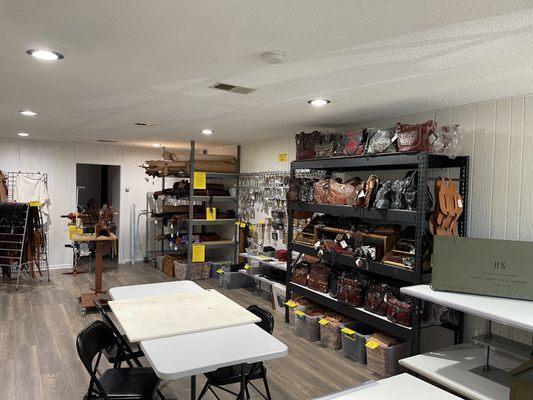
column 207, row 131
column 28, row 113
column 45, row 55
column 319, row 102
column 23, row 134
column 156, row 145
column 273, row 56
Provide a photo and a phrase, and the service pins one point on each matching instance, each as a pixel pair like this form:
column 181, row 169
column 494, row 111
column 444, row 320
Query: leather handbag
column 364, row 193
column 300, row 274
column 381, row 141
column 326, row 145
column 340, row 193
column 351, row 291
column 305, row 145
column 334, row 285
column 293, row 194
column 320, row 190
column 375, row 298
column 354, row 143
column 3, row 187
column 383, row 196
column 415, row 137
column 319, row 278
column 448, row 208
column 398, row 311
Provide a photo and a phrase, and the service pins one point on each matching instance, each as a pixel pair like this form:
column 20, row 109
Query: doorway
column 98, row 187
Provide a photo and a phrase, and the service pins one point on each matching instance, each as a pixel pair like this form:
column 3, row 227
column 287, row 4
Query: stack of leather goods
column 368, row 141
column 182, row 188
column 173, row 164
column 448, row 208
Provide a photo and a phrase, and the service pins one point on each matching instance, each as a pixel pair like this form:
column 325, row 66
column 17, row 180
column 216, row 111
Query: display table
column 399, row 387
column 475, row 371
column 87, row 299
column 181, row 356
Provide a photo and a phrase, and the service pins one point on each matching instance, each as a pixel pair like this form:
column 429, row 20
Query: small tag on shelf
column 198, row 253
column 299, row 313
column 290, row 304
column 199, row 180
column 246, row 267
column 220, row 271
column 211, row 213
column 344, row 244
column 348, row 331
column 323, row 322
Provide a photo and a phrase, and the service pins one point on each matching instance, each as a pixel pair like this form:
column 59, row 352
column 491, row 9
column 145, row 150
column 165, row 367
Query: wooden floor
column 39, row 324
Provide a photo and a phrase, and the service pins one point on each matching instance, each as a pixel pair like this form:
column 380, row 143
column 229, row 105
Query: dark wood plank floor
column 39, row 324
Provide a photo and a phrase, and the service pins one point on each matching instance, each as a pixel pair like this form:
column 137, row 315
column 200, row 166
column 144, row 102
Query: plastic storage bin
column 180, row 270
column 354, row 337
column 255, row 269
column 215, row 266
column 278, row 298
column 330, row 331
column 383, row 353
column 306, row 324
column 234, row 280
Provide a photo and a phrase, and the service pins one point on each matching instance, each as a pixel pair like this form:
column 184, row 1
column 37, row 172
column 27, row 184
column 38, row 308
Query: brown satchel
column 320, row 190
column 319, row 278
column 341, row 193
column 365, row 192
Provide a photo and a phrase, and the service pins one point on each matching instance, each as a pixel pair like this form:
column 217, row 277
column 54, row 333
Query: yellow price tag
column 348, row 331
column 35, row 204
column 199, row 180
column 220, row 271
column 372, row 344
column 290, row 304
column 238, row 223
column 211, row 213
column 243, row 225
column 282, row 157
column 323, row 322
column 299, row 313
column 246, row 267
column 252, row 228
column 198, row 253
column 261, row 222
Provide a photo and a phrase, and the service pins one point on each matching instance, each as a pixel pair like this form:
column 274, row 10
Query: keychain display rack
column 191, row 200
column 422, row 163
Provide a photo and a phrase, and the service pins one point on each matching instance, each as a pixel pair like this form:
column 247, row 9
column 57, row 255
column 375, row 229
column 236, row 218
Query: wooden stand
column 98, row 293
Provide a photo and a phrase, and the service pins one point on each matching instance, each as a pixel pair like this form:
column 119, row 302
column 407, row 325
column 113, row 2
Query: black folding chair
column 232, row 374
column 114, row 383
column 128, row 354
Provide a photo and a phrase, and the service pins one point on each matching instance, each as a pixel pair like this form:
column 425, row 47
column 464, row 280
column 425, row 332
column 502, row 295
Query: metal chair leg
column 265, row 382
column 204, row 391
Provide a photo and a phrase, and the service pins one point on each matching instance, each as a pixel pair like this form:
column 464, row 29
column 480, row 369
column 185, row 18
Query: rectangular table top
column 512, row 312
column 185, row 355
column 171, row 314
column 399, row 387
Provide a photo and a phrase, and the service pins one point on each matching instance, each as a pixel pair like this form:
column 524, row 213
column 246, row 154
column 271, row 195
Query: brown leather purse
column 414, row 137
column 340, row 193
column 351, row 291
column 365, row 192
column 300, row 274
column 319, row 278
column 320, row 190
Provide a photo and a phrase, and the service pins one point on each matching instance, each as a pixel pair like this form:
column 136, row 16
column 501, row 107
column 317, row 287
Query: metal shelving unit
column 422, row 162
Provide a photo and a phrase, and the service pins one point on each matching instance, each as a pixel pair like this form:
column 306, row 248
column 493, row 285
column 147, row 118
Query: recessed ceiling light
column 28, row 113
column 318, row 102
column 23, row 134
column 156, row 145
column 207, row 131
column 46, row 55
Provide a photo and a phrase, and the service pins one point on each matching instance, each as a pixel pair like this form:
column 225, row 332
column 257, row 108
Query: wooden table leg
column 98, row 267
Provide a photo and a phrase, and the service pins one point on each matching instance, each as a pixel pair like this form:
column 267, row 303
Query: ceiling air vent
column 107, row 141
column 147, row 124
column 232, row 88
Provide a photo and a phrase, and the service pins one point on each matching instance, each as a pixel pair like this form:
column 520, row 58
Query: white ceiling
column 153, row 61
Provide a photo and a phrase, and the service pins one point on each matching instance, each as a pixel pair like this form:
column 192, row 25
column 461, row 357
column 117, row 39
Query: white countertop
column 451, row 369
column 517, row 313
column 399, row 387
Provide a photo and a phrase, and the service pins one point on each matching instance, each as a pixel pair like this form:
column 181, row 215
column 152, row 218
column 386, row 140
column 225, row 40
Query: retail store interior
column 289, row 200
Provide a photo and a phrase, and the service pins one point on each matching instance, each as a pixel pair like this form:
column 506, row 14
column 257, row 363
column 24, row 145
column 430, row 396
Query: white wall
column 499, row 140
column 59, row 161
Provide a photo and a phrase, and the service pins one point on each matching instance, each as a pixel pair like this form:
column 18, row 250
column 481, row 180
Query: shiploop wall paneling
column 59, row 161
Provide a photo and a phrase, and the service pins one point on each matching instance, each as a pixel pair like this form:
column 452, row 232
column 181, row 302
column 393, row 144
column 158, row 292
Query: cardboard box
column 501, row 268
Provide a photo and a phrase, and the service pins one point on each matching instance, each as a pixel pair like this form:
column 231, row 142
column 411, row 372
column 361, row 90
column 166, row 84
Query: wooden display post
column 87, row 300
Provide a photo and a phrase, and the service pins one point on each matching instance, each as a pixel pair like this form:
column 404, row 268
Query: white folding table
column 399, row 387
column 190, row 354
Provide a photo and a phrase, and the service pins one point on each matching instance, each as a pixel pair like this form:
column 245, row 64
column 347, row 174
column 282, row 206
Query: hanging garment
column 29, row 188
column 3, row 187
